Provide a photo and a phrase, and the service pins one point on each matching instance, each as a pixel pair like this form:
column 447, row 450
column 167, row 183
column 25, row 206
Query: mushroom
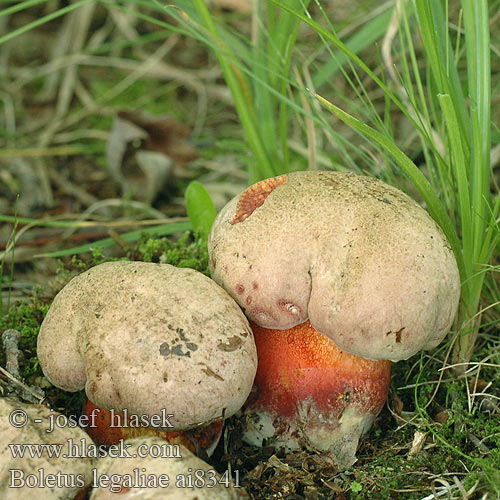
column 164, row 346
column 156, row 474
column 42, row 451
column 359, row 259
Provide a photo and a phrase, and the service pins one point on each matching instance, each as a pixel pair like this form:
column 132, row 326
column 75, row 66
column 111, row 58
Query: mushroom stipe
column 309, row 393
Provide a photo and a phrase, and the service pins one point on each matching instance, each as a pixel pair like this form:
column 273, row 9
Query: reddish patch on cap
column 255, row 196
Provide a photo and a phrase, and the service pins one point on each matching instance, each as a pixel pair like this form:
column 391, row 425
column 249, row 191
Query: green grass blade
column 434, row 204
column 459, row 167
column 20, row 6
column 282, row 30
column 264, row 100
column 367, row 35
column 434, row 30
column 333, row 39
column 492, row 239
column 240, row 91
column 161, row 230
column 43, row 20
column 477, row 42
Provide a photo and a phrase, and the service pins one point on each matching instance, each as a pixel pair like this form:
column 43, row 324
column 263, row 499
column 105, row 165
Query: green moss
column 466, row 444
column 26, row 318
column 76, row 265
column 185, row 252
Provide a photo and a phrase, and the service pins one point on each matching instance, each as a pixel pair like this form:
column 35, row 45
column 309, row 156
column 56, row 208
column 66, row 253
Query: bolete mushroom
column 42, row 453
column 359, row 259
column 156, row 344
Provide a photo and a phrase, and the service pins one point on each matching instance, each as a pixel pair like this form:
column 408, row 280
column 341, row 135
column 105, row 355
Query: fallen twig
column 33, row 394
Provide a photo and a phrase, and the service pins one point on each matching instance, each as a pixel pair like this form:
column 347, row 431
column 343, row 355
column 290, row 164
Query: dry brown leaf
column 256, row 472
column 418, row 443
column 397, row 405
column 441, row 417
column 143, row 150
column 477, row 385
column 164, row 134
column 341, row 497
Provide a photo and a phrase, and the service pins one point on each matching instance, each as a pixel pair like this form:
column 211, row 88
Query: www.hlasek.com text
column 84, row 449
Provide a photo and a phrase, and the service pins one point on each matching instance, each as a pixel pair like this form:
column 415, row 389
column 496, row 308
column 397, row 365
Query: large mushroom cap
column 151, row 339
column 360, row 259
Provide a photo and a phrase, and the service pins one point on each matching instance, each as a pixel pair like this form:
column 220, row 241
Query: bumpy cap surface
column 360, row 259
column 152, row 339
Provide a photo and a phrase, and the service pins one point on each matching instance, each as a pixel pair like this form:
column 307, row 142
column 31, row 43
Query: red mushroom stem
column 200, row 440
column 307, row 392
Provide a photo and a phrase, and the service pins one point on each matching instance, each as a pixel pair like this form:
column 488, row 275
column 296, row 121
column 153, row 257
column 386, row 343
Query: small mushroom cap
column 151, row 339
column 157, row 461
column 75, row 473
column 360, row 259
